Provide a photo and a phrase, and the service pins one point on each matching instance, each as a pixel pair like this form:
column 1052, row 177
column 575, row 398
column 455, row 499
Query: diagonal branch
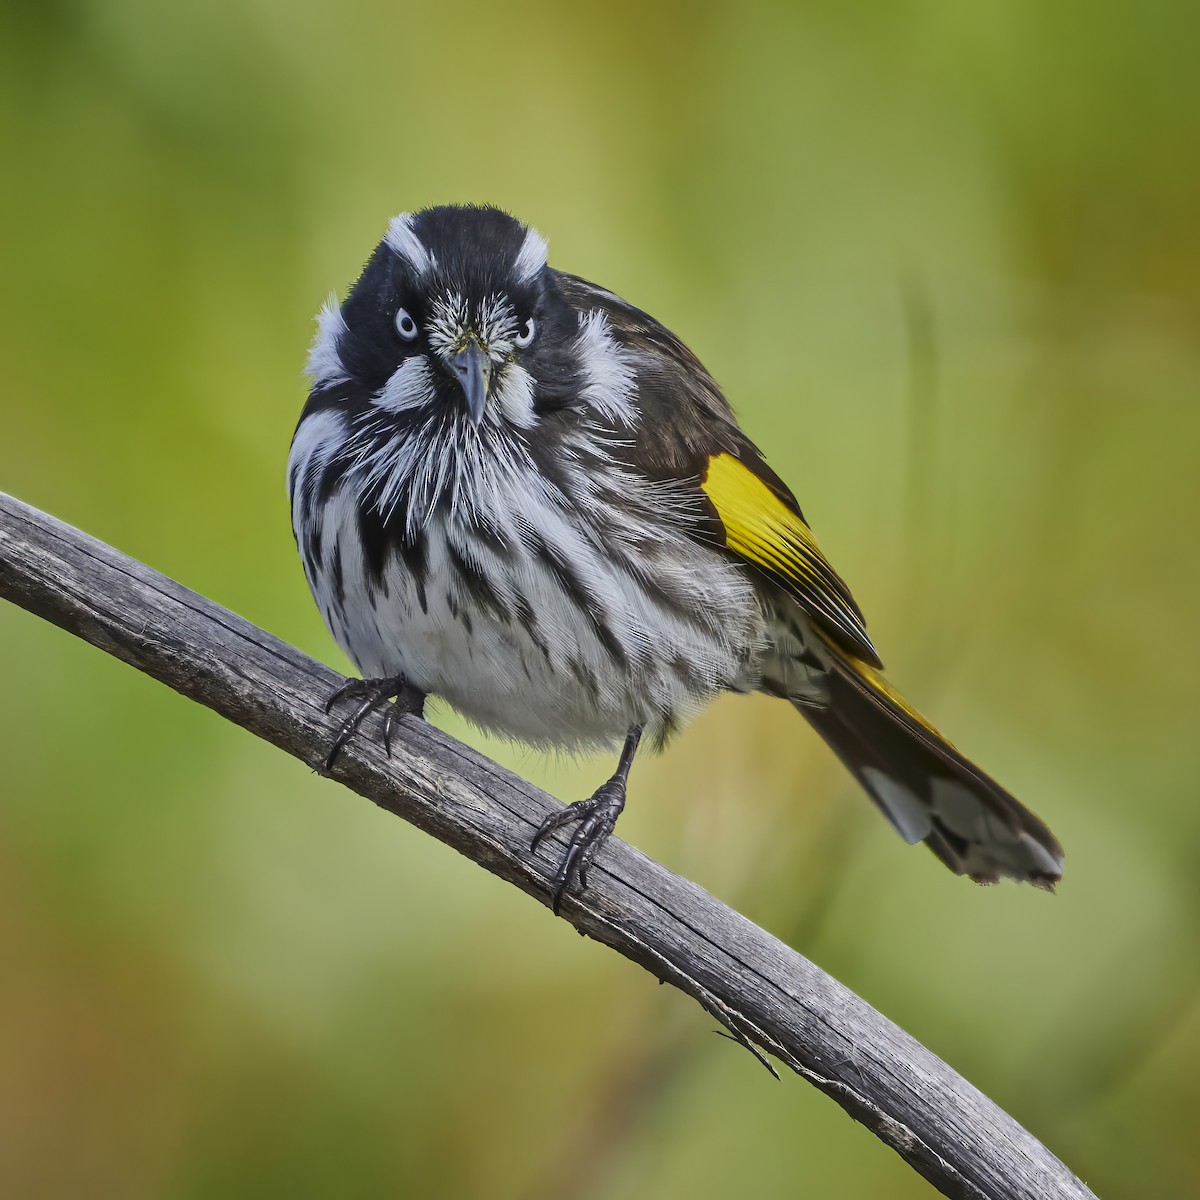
column 761, row 990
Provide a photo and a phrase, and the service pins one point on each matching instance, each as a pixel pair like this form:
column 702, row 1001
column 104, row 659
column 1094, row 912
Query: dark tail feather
column 929, row 791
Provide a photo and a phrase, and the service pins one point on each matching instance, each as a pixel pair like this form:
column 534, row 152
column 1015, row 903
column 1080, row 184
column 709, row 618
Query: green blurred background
column 945, row 259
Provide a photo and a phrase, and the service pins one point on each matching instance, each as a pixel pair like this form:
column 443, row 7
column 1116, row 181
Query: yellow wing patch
column 762, row 528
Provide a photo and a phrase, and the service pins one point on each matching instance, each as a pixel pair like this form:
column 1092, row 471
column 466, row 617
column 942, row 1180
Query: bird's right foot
column 372, row 694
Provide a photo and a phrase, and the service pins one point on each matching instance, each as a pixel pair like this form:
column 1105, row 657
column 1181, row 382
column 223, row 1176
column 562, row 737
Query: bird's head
column 456, row 314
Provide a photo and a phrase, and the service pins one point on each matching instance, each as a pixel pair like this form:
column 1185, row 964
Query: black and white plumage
column 513, row 490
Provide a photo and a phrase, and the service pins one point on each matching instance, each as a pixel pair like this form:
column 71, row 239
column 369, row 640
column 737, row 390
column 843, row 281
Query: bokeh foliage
column 946, row 261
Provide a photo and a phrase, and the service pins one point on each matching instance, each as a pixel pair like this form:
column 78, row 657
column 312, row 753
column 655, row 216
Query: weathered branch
column 762, row 990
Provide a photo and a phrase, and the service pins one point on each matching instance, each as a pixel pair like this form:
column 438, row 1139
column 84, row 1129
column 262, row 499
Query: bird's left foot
column 372, row 694
column 594, row 819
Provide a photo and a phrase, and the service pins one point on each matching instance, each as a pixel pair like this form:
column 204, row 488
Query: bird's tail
column 924, row 786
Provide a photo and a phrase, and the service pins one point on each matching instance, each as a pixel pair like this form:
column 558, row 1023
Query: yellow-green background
column 945, row 259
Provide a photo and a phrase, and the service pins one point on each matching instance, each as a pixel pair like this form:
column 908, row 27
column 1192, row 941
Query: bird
column 516, row 492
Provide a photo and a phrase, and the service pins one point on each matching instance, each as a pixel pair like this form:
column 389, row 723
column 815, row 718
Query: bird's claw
column 372, row 694
column 594, row 818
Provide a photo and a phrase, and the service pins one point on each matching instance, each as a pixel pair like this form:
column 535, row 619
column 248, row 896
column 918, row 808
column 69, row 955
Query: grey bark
column 761, row 990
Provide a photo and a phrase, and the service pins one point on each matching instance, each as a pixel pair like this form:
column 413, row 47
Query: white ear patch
column 609, row 381
column 324, row 366
column 401, row 238
column 532, row 256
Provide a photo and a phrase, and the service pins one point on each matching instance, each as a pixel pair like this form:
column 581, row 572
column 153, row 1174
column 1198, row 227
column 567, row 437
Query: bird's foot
column 594, row 819
column 372, row 694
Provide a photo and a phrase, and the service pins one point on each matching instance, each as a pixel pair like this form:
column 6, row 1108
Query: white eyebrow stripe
column 401, row 238
column 532, row 256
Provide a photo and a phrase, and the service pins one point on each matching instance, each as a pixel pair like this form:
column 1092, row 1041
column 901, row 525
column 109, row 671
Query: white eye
column 526, row 335
column 406, row 327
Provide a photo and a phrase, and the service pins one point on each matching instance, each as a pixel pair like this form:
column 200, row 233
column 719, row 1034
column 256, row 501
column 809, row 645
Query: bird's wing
column 693, row 435
column 763, row 525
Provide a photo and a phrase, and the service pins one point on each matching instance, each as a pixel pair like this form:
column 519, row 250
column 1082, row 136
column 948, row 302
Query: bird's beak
column 473, row 369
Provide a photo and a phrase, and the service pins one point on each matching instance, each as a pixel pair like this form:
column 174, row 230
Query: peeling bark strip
column 759, row 988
